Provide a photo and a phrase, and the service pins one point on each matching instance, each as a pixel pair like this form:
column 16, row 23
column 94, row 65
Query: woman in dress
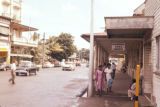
column 100, row 80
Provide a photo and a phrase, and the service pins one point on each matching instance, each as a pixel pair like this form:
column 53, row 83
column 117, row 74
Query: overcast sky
column 73, row 16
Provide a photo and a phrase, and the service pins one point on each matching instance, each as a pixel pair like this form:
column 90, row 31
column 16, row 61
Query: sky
column 73, row 16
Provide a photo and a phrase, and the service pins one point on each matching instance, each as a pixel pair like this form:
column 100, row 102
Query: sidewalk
column 118, row 98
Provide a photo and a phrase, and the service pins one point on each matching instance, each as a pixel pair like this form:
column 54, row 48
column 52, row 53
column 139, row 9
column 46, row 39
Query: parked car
column 48, row 65
column 2, row 67
column 26, row 68
column 68, row 66
column 57, row 64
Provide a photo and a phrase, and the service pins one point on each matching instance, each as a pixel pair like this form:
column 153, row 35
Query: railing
column 6, row 14
column 20, row 52
column 24, row 41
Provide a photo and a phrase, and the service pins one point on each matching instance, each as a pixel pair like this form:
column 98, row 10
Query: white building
column 19, row 45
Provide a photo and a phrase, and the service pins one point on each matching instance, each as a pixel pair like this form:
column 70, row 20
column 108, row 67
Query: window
column 158, row 52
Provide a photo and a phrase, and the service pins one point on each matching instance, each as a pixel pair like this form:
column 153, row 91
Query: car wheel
column 5, row 69
column 17, row 74
column 27, row 74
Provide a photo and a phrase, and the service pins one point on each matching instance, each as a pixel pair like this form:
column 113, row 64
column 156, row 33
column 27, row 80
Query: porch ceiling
column 106, row 43
column 128, row 27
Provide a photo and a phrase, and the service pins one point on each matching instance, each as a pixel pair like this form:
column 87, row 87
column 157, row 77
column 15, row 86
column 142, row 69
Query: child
column 131, row 90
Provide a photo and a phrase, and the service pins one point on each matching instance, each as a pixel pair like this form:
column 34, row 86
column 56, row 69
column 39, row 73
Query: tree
column 65, row 40
column 53, row 46
column 83, row 54
column 59, row 48
column 38, row 53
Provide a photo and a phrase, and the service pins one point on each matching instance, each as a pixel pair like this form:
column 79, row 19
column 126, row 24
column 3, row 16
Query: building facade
column 4, row 39
column 152, row 8
column 19, row 45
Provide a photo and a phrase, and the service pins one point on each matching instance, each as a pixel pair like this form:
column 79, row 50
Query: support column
column 91, row 58
column 8, row 56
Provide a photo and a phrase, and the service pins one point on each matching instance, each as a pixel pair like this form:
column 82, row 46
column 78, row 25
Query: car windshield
column 25, row 64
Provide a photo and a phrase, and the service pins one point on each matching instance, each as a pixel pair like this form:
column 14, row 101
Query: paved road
column 50, row 88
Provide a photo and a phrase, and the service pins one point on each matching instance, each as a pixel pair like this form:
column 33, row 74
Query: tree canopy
column 56, row 47
column 65, row 40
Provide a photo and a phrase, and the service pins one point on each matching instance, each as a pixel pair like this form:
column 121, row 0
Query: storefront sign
column 118, row 47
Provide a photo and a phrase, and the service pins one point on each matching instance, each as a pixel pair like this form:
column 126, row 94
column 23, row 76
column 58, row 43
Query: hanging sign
column 118, row 46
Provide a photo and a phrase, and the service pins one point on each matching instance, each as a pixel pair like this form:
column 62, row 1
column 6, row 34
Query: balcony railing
column 24, row 41
column 5, row 14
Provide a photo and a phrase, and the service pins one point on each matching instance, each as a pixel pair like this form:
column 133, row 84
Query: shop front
column 3, row 55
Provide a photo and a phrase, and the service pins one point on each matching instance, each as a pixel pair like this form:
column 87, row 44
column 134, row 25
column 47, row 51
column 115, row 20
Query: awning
column 100, row 35
column 22, row 55
column 128, row 27
column 22, row 27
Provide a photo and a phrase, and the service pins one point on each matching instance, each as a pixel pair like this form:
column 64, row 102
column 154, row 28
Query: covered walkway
column 128, row 38
column 118, row 98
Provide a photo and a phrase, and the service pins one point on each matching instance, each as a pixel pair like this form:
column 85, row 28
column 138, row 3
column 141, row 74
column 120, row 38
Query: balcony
column 4, row 31
column 24, row 42
column 5, row 14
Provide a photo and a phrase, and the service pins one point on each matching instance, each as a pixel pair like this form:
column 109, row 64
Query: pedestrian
column 113, row 66
column 13, row 68
column 131, row 90
column 100, row 80
column 104, row 66
column 109, row 79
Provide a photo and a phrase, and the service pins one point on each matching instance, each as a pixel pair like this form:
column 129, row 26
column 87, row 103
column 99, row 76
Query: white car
column 68, row 66
column 48, row 65
column 3, row 67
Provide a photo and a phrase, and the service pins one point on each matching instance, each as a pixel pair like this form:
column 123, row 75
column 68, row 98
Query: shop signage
column 118, row 46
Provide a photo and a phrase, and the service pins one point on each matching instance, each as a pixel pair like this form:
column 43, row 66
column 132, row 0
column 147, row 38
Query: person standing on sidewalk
column 131, row 90
column 13, row 68
column 113, row 66
column 108, row 72
column 100, row 80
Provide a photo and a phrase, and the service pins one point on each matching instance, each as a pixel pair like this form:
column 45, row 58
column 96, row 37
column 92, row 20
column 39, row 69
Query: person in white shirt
column 13, row 68
column 108, row 72
column 132, row 88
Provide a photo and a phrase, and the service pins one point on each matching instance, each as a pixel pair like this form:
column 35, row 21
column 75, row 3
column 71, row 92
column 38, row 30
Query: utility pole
column 43, row 53
column 91, row 63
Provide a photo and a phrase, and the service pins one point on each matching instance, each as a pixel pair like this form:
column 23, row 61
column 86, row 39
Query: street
column 51, row 87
